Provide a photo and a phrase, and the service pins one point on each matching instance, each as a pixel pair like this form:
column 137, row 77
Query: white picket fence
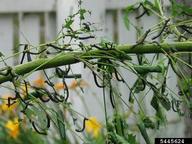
column 37, row 21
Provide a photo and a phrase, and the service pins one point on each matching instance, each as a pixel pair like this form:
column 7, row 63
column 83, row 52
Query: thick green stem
column 75, row 57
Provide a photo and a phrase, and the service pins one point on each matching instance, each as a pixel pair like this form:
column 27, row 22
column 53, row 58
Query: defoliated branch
column 74, row 57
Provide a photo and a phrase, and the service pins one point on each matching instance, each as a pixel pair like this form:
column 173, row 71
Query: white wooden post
column 93, row 95
column 6, row 44
column 97, row 7
column 64, row 9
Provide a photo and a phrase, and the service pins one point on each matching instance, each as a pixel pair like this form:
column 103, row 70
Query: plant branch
column 74, row 57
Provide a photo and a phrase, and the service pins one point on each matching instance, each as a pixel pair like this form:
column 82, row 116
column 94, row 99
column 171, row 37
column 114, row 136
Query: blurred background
column 39, row 21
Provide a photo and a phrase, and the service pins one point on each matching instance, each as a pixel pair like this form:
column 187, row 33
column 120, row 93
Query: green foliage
column 148, row 122
column 47, row 102
column 68, row 23
column 82, row 13
column 127, row 11
column 178, row 9
column 143, row 131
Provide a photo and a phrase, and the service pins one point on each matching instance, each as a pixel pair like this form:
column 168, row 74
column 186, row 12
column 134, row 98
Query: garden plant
column 40, row 111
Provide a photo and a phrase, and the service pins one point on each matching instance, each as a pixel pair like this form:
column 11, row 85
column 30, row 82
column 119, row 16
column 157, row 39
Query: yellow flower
column 13, row 127
column 4, row 107
column 92, row 126
column 75, row 84
column 59, row 86
column 40, row 82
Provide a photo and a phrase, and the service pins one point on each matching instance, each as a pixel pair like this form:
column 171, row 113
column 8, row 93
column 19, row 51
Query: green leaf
column 161, row 117
column 158, row 6
column 148, row 123
column 117, row 139
column 177, row 8
column 1, row 54
column 127, row 11
column 154, row 103
column 159, row 113
column 156, row 3
column 61, row 125
column 121, row 139
column 143, row 131
column 29, row 137
column 82, row 13
column 139, row 86
column 42, row 119
column 132, row 139
column 29, row 113
column 149, row 4
column 119, row 124
column 165, row 102
column 68, row 23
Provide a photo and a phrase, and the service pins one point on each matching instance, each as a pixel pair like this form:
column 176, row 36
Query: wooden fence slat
column 6, row 37
column 109, row 26
column 125, row 35
column 30, row 34
column 50, row 26
column 6, row 46
column 93, row 95
column 30, row 29
column 115, row 4
column 15, row 6
column 121, row 4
